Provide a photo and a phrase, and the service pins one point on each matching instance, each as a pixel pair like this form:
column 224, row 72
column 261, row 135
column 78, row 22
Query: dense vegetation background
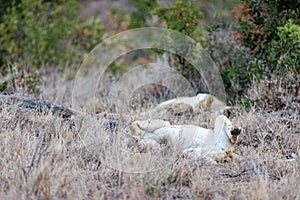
column 250, row 40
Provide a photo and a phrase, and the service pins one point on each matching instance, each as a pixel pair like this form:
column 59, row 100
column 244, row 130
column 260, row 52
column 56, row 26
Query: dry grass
column 41, row 157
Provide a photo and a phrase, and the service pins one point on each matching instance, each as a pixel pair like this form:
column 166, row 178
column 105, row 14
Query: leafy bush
column 87, row 34
column 39, row 32
column 143, row 11
column 286, row 48
column 33, row 30
column 259, row 19
column 118, row 21
column 281, row 87
column 184, row 17
column 20, row 80
column 267, row 42
column 264, row 29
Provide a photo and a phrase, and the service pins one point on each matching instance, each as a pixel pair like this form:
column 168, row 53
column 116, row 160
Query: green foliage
column 39, row 32
column 33, row 30
column 20, row 80
column 268, row 34
column 286, row 48
column 143, row 11
column 183, row 16
column 88, row 34
column 264, row 17
column 290, row 31
column 246, row 102
column 119, row 67
column 259, row 19
column 3, row 85
column 5, row 5
column 33, row 81
column 119, row 20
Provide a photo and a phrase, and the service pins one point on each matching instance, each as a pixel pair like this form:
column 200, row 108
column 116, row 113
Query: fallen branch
column 108, row 120
column 38, row 105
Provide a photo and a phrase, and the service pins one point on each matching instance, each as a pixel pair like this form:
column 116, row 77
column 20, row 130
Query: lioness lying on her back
column 190, row 139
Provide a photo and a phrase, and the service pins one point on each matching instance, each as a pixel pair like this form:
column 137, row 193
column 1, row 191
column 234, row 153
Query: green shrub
column 45, row 33
column 286, row 48
column 87, row 34
column 33, row 31
column 143, row 11
column 20, row 80
column 183, row 16
column 258, row 21
column 267, row 42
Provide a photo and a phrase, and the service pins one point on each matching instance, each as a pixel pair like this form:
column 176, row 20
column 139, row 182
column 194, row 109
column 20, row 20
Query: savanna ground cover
column 44, row 156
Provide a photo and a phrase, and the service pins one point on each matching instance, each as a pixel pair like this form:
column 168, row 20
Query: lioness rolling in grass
column 192, row 140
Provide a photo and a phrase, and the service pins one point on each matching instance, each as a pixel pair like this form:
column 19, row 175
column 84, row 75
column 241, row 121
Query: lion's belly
column 182, row 137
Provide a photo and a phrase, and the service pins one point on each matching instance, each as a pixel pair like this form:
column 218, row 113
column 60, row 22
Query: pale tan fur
column 195, row 104
column 137, row 127
column 192, row 140
column 202, row 104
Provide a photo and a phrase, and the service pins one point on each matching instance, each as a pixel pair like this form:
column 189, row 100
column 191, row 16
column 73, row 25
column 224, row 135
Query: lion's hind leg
column 149, row 126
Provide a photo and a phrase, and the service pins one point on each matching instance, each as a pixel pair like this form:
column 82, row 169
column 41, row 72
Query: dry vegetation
column 42, row 157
